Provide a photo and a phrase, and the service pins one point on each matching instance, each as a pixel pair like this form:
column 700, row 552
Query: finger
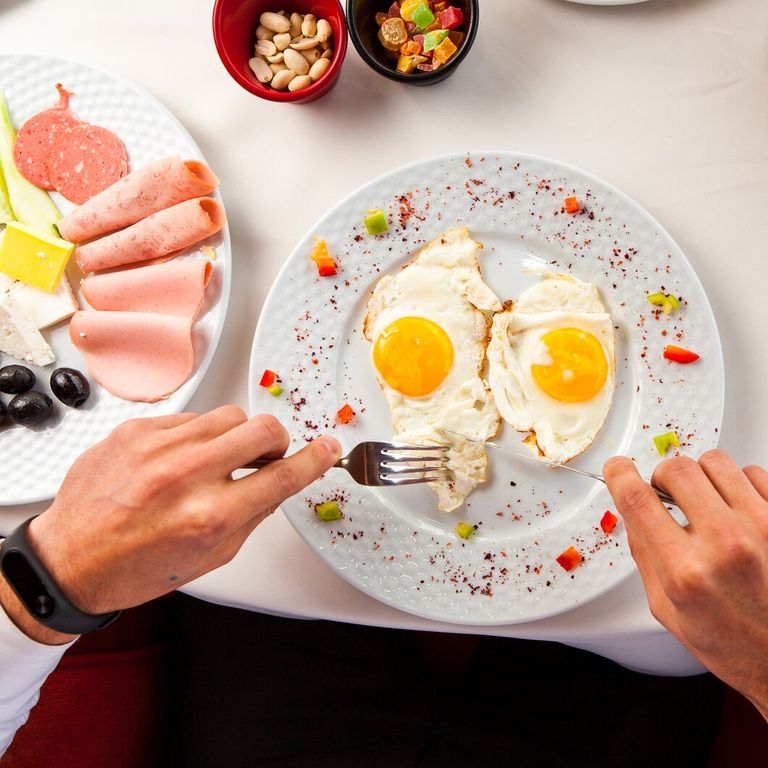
column 636, row 501
column 759, row 479
column 684, row 480
column 653, row 532
column 211, row 424
column 261, row 436
column 728, row 479
column 172, row 420
column 272, row 485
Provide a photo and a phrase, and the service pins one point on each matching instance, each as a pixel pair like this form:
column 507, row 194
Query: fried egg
column 429, row 328
column 551, row 365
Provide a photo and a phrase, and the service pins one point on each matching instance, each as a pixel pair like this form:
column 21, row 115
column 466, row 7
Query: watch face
column 27, row 585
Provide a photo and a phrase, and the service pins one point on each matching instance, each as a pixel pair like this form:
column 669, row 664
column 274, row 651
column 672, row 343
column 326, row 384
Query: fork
column 663, row 495
column 381, row 463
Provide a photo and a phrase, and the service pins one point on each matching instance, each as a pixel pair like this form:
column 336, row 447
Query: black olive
column 15, row 379
column 30, row 408
column 70, row 386
column 3, row 411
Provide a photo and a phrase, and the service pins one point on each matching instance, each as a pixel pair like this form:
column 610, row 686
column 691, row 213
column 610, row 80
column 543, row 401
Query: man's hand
column 707, row 583
column 154, row 505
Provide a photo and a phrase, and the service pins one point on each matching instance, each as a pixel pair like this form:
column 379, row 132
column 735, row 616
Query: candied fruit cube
column 411, row 48
column 422, row 16
column 433, row 39
column 451, row 18
column 444, row 51
column 408, row 7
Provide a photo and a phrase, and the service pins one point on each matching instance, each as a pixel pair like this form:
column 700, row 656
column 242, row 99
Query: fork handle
column 260, row 463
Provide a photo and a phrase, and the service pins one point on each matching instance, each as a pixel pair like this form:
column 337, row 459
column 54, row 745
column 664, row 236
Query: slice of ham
column 84, row 160
column 158, row 185
column 35, row 139
column 160, row 234
column 174, row 288
column 138, row 356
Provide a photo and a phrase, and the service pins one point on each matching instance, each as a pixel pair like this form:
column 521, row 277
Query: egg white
column 444, row 284
column 562, row 429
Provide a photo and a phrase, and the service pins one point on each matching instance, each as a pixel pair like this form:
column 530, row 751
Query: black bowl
column 361, row 22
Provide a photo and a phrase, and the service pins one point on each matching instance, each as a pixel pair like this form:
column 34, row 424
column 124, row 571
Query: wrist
column 27, row 623
column 40, row 592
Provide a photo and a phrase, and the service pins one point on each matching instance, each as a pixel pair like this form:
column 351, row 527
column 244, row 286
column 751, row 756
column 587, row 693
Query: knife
column 665, row 497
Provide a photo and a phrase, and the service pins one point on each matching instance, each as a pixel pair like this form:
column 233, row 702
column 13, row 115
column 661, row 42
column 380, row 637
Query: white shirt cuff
column 24, row 666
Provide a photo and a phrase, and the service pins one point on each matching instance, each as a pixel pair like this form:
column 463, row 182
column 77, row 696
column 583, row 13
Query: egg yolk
column 578, row 366
column 413, row 355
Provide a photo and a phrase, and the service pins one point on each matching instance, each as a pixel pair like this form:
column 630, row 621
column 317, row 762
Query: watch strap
column 38, row 590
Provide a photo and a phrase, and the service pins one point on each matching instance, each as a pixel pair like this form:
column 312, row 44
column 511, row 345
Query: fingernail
column 330, row 444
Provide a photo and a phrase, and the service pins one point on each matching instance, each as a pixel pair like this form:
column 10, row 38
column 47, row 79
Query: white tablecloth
column 667, row 100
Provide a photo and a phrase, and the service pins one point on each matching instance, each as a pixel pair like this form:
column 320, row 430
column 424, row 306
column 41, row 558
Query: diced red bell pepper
column 345, row 414
column 268, row 378
column 572, row 205
column 326, row 267
column 608, row 521
column 569, row 559
column 450, row 18
column 679, row 355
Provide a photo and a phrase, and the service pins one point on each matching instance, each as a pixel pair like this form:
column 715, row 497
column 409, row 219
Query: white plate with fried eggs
column 574, row 365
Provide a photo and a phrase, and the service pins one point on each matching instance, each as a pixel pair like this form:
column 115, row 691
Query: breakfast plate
column 35, row 461
column 393, row 543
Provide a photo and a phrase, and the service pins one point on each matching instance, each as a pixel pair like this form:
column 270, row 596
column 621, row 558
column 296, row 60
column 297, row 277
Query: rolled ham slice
column 173, row 288
column 160, row 234
column 138, row 356
column 147, row 190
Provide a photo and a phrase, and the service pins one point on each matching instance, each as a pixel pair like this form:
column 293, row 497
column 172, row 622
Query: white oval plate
column 35, row 461
column 392, row 542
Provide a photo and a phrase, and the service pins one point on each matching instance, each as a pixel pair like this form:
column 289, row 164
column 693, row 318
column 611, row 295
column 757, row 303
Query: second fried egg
column 551, row 365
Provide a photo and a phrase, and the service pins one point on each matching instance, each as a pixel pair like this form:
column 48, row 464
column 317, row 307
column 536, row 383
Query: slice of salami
column 85, row 160
column 35, row 140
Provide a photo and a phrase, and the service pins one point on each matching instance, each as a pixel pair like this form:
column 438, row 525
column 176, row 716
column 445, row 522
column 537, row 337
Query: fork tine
column 393, row 460
column 443, row 474
column 387, row 447
column 402, row 467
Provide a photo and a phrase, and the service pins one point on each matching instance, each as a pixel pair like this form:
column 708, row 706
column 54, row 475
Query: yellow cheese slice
column 33, row 257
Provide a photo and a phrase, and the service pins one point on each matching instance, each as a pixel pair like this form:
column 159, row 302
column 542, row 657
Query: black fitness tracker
column 38, row 591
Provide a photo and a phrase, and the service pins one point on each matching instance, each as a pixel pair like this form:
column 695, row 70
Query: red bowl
column 234, row 32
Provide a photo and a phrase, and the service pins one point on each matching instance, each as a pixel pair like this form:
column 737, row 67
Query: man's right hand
column 706, row 583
